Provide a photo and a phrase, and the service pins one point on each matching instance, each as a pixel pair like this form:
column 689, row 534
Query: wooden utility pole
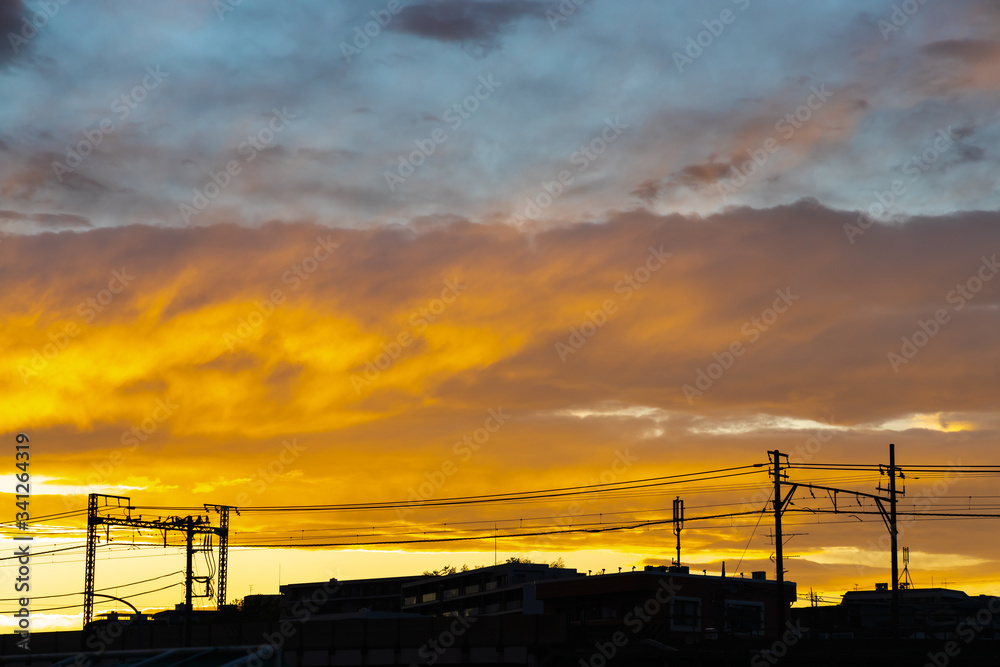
column 678, row 524
column 893, row 534
column 191, row 525
column 188, row 579
column 779, row 566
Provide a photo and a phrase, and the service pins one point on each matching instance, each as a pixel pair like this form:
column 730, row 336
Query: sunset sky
column 344, row 252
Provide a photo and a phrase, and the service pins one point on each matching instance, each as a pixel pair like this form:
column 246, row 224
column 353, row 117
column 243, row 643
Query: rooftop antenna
column 678, row 521
column 906, row 582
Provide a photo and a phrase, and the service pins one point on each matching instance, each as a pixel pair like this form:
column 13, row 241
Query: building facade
column 672, row 599
column 508, row 588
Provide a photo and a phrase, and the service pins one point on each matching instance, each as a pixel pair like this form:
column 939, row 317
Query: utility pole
column 91, row 560
column 191, row 525
column 889, row 517
column 778, row 562
column 188, row 578
column 893, row 533
column 890, row 523
column 678, row 524
column 223, row 533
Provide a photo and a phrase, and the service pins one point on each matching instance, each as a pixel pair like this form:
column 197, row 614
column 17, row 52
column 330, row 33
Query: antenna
column 678, row 521
column 905, row 580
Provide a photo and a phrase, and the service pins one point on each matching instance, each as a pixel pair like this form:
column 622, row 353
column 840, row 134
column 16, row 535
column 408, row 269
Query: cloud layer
column 774, row 108
column 444, row 248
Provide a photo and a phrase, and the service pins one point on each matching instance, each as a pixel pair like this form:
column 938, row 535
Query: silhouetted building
column 381, row 594
column 682, row 603
column 507, row 588
column 924, row 613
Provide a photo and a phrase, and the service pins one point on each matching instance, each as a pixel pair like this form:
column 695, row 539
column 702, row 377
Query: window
column 428, row 597
column 745, row 618
column 685, row 614
column 409, row 600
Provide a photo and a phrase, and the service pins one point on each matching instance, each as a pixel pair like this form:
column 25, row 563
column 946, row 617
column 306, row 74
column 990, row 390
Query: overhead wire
column 77, row 606
column 106, row 588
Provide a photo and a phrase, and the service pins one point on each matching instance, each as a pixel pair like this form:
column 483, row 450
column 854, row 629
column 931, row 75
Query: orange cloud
column 222, row 372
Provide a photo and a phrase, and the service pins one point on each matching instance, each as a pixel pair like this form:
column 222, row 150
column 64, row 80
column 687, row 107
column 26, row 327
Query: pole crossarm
column 223, row 533
column 889, row 517
column 190, row 525
column 174, row 523
column 787, row 499
column 886, row 515
column 836, row 490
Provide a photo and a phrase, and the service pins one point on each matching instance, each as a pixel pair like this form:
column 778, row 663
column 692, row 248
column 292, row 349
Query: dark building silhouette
column 507, row 588
column 377, row 595
column 679, row 603
column 526, row 614
column 924, row 613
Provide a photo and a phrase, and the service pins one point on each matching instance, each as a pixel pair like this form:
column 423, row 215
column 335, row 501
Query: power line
column 36, row 519
column 493, row 535
column 42, row 553
column 77, row 606
column 106, row 588
column 504, row 497
column 763, row 510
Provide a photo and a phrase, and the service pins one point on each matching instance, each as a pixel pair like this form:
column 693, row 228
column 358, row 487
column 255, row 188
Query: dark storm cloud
column 460, row 21
column 828, row 355
column 953, row 65
column 963, row 49
column 693, row 176
column 11, row 15
column 48, row 220
column 971, row 153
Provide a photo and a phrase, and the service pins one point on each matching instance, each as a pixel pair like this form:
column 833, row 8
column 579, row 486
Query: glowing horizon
column 264, row 258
